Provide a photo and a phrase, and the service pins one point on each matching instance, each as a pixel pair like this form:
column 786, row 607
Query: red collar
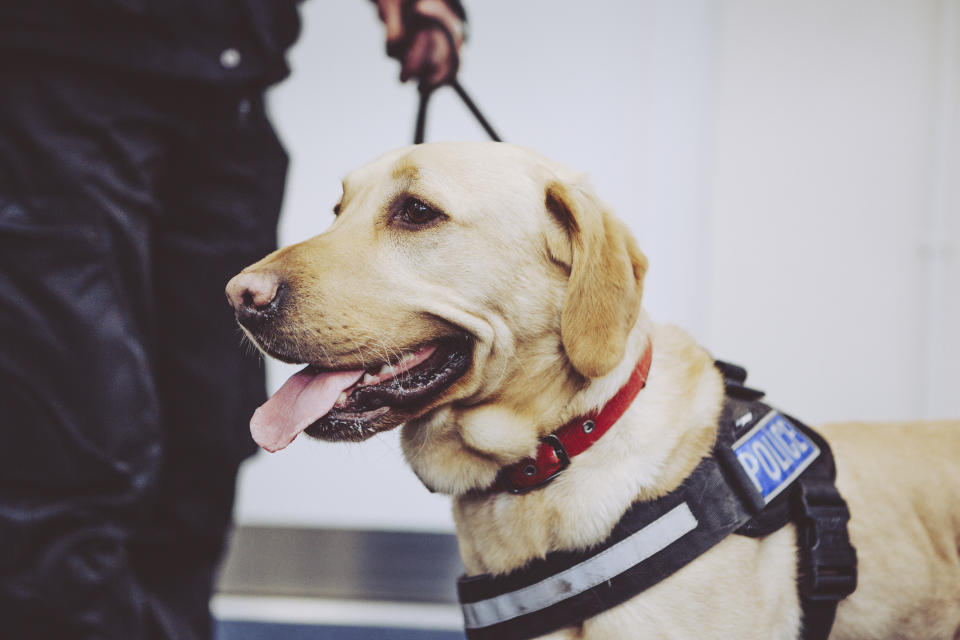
column 573, row 438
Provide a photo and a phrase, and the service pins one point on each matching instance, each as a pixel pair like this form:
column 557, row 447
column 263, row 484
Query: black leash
column 426, row 92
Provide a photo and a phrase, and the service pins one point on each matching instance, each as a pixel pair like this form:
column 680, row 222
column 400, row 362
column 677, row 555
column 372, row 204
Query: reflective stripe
column 608, row 564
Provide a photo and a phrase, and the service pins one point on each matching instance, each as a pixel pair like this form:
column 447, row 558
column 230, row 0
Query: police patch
column 773, row 454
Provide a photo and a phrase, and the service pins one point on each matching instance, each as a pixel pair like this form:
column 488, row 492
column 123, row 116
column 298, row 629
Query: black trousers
column 126, row 203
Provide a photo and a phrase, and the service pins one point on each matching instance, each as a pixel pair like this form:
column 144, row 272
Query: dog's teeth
column 369, row 379
column 386, row 370
column 342, row 400
column 408, row 357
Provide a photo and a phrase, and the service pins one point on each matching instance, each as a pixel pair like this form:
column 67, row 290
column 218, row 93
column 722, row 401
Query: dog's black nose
column 254, row 296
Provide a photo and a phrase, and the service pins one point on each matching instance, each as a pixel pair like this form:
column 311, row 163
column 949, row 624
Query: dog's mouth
column 356, row 403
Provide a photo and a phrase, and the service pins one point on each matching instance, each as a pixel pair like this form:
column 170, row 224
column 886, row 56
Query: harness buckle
column 828, row 562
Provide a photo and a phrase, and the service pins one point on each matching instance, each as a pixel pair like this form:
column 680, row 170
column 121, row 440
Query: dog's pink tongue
column 302, row 400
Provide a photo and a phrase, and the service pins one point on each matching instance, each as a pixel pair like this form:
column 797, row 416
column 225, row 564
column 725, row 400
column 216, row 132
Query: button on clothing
column 230, row 58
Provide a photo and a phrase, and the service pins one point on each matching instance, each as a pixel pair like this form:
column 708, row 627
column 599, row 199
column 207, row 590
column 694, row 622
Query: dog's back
column 902, row 484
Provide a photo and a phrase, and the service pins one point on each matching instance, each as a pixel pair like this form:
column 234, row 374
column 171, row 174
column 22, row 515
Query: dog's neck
column 557, row 449
column 661, row 437
column 461, row 449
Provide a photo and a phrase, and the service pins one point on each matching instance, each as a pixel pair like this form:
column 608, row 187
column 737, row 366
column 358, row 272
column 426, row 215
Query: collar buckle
column 555, row 450
column 532, row 469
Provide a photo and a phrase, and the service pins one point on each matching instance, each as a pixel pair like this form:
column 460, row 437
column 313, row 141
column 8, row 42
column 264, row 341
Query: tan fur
column 548, row 284
column 606, row 280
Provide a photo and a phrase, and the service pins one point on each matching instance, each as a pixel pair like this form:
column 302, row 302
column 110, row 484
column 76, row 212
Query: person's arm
column 416, row 38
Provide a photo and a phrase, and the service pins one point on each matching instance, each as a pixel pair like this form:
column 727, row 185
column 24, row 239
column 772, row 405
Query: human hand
column 425, row 36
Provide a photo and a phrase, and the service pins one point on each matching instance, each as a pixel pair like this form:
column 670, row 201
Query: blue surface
column 773, row 453
column 236, row 630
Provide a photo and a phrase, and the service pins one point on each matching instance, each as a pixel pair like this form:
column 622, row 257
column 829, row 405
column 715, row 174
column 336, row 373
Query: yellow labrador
column 482, row 296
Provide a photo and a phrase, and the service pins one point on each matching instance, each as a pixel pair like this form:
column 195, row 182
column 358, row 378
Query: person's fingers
column 440, row 63
column 427, row 54
column 440, row 10
column 391, row 12
column 430, row 58
column 416, row 56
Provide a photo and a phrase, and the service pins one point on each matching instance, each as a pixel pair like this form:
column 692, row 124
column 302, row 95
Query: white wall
column 834, row 132
column 788, row 167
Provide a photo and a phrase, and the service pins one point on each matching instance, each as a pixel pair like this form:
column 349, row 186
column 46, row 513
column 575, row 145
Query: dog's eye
column 415, row 213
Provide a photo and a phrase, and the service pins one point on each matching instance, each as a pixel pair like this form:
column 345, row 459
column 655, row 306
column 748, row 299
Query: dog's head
column 463, row 289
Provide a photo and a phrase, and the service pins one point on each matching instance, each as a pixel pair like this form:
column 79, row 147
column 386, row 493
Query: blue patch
column 773, row 454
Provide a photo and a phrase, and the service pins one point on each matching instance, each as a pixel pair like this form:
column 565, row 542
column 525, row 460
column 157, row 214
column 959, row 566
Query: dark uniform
column 138, row 172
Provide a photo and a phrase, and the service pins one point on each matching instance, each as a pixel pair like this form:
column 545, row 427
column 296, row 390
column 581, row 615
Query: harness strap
column 826, row 561
column 651, row 542
column 726, row 493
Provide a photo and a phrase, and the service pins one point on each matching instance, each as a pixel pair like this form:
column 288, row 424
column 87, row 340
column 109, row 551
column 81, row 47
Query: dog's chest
column 741, row 588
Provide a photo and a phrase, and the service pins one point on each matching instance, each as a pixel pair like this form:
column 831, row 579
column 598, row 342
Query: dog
column 481, row 296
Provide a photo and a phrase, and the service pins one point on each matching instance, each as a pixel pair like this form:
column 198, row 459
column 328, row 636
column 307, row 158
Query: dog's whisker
column 358, row 348
column 326, row 354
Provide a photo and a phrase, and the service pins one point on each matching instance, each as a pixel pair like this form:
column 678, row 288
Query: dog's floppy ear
column 606, row 279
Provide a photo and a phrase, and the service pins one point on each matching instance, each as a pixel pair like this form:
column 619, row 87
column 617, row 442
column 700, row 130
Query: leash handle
column 426, row 92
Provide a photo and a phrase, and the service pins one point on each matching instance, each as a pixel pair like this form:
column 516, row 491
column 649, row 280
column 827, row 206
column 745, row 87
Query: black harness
column 767, row 469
